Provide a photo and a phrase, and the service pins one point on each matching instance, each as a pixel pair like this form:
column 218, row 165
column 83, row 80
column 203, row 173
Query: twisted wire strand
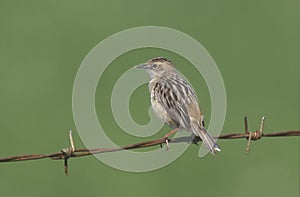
column 71, row 152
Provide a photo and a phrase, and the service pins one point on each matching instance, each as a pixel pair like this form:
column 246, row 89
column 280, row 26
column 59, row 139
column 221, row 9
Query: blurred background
column 255, row 45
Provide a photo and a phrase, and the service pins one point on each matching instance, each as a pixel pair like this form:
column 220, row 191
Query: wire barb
column 246, row 124
column 256, row 135
column 68, row 152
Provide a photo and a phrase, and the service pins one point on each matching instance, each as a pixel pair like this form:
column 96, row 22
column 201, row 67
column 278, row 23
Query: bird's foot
column 166, row 137
column 166, row 140
column 195, row 140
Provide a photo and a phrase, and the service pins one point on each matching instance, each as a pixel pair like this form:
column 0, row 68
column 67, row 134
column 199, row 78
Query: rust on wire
column 67, row 153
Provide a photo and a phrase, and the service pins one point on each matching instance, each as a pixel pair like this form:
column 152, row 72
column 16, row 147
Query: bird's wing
column 176, row 98
column 195, row 113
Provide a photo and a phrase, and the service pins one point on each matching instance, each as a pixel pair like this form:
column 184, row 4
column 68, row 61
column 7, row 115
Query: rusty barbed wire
column 71, row 152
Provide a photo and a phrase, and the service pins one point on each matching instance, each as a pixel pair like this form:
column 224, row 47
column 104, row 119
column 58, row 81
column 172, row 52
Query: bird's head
column 158, row 67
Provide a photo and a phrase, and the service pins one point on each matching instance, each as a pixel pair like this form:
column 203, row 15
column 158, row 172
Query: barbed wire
column 70, row 152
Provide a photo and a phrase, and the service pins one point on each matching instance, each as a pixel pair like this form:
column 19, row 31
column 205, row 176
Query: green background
column 254, row 43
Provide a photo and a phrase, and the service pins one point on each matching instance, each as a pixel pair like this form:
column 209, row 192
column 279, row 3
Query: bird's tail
column 209, row 141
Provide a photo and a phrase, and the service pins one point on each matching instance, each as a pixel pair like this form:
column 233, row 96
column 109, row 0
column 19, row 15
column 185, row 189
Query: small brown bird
column 174, row 101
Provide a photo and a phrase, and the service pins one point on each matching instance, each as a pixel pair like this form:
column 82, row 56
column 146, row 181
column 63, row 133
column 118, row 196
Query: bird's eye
column 154, row 65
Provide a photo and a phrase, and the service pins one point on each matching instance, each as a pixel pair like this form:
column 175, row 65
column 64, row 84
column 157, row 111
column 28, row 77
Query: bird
column 174, row 101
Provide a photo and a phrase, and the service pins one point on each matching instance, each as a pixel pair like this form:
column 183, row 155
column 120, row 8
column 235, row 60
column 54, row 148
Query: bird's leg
column 166, row 137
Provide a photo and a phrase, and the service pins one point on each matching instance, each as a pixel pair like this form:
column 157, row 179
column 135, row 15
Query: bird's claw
column 167, row 143
column 166, row 139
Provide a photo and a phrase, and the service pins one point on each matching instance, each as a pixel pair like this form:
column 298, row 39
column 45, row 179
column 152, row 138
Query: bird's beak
column 143, row 66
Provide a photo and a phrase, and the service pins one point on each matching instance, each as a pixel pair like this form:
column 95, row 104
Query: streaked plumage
column 174, row 100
